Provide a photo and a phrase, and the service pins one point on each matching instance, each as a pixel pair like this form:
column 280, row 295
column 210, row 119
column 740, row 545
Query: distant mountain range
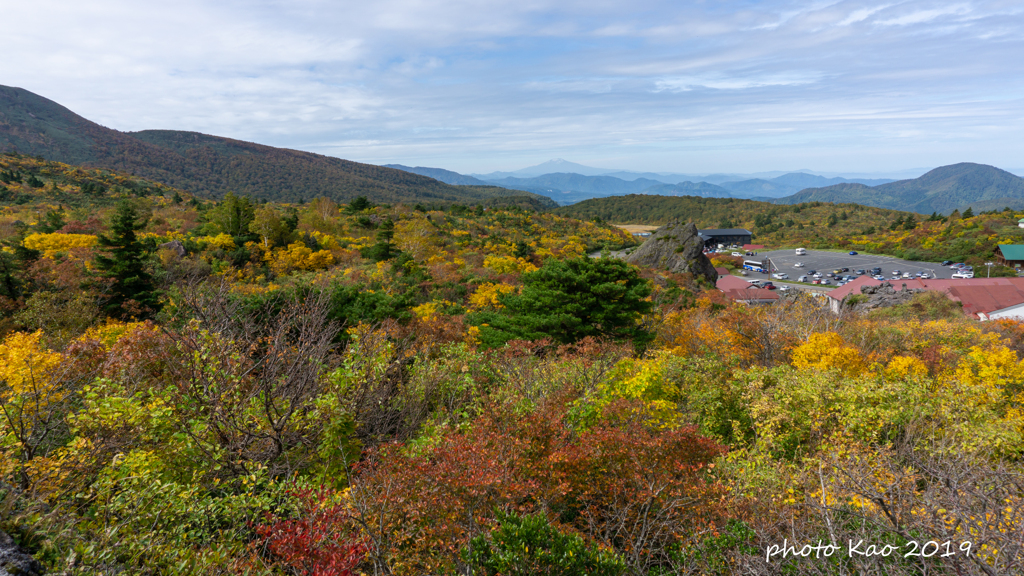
column 211, row 166
column 942, row 190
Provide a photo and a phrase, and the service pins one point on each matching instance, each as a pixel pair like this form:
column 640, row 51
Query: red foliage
column 319, row 542
column 619, row 483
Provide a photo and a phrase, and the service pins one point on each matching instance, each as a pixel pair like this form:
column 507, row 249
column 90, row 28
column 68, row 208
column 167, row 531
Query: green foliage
column 567, row 300
column 234, row 214
column 529, row 545
column 132, row 292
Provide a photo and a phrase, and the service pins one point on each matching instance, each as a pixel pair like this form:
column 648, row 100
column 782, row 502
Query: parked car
column 798, row 265
column 768, row 285
column 879, row 277
column 963, row 275
column 738, row 254
column 896, row 272
column 853, row 252
column 907, row 276
column 812, row 272
column 925, row 276
column 780, row 276
column 837, row 271
column 956, row 266
column 802, row 279
column 826, row 281
column 844, row 269
column 876, row 270
column 946, row 263
column 783, row 288
column 817, row 275
column 860, row 272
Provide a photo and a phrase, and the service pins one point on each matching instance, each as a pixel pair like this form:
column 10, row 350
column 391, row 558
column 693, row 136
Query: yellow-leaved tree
column 826, row 351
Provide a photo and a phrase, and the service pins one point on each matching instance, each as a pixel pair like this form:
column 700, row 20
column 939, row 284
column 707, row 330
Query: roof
column 722, row 271
column 975, row 295
column 1012, row 251
column 725, row 232
column 748, row 294
column 732, row 282
column 753, row 246
column 975, row 299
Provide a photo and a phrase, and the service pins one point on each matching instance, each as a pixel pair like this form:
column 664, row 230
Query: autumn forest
column 239, row 386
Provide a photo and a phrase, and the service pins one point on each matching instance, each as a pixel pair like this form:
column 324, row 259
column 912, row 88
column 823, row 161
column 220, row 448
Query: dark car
column 853, row 252
column 812, row 272
column 845, row 269
column 876, row 271
column 946, row 263
column 860, row 272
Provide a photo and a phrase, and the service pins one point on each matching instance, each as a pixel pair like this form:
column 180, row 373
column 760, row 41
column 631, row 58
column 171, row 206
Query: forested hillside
column 942, row 190
column 211, row 166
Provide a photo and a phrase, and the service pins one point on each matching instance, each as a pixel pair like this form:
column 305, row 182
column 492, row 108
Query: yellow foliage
column 426, row 311
column 221, row 241
column 826, row 350
column 108, row 334
column 25, row 366
column 51, row 244
column 508, row 264
column 298, row 257
column 903, row 367
column 486, row 295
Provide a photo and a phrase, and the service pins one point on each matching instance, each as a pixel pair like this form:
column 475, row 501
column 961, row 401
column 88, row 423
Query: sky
column 478, row 86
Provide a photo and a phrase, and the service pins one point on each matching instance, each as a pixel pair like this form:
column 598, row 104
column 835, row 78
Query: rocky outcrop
column 678, row 248
column 174, row 246
column 882, row 295
column 16, row 562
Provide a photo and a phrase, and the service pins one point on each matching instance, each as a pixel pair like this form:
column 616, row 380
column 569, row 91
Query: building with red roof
column 981, row 298
column 739, row 290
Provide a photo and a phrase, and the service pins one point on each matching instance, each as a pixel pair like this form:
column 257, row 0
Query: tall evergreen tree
column 132, row 292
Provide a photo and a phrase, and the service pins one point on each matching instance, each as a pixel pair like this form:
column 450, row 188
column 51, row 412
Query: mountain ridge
column 942, row 190
column 211, row 166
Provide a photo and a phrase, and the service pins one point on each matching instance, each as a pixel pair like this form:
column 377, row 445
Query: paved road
column 827, row 261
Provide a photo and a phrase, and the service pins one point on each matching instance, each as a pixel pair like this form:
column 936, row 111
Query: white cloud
column 478, row 83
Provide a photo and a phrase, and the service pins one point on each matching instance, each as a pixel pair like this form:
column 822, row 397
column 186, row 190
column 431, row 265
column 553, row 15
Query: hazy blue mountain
column 788, row 184
column 944, row 189
column 446, row 176
column 701, row 189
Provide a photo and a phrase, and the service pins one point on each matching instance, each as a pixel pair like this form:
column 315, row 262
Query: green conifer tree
column 132, row 292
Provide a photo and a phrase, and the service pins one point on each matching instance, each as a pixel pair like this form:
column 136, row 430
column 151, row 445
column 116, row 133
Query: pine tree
column 968, row 213
column 132, row 292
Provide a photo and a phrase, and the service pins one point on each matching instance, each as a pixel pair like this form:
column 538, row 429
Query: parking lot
column 828, row 261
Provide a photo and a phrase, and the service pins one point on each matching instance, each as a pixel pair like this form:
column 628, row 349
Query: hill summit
column 212, row 165
column 942, row 190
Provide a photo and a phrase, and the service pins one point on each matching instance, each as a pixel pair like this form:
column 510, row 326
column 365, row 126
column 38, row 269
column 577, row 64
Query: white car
column 737, row 254
column 963, row 275
column 798, row 265
column 780, row 276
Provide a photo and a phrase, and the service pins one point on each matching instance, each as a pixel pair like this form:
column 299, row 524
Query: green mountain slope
column 446, row 176
column 212, row 166
column 942, row 190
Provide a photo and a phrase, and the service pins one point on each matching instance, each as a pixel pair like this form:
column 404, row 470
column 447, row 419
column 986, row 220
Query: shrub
column 527, row 545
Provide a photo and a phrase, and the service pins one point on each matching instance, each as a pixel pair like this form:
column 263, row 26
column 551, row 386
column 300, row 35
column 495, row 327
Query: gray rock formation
column 175, row 246
column 16, row 562
column 675, row 247
column 881, row 296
